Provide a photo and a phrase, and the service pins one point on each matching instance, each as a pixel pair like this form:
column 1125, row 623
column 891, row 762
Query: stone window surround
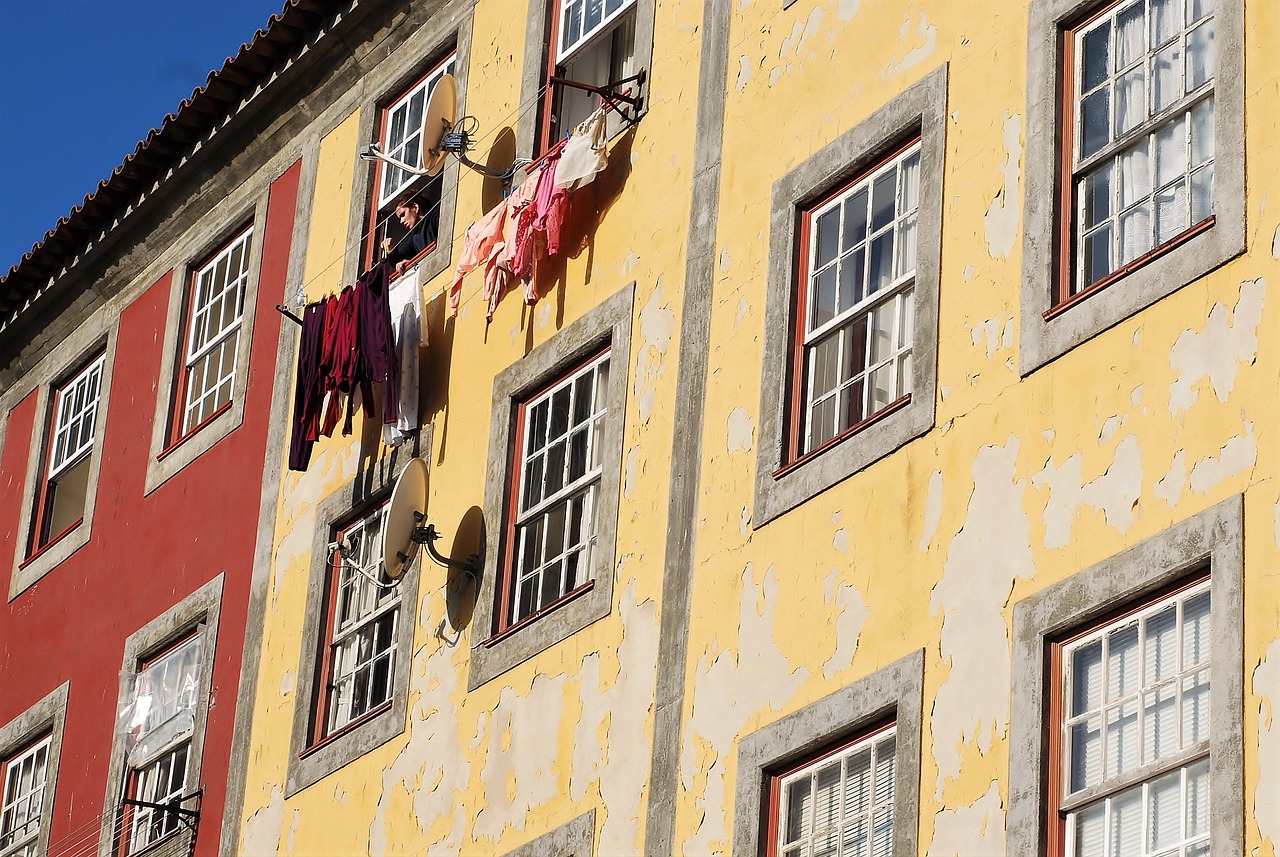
column 46, row 717
column 892, row 692
column 309, row 761
column 1214, row 537
column 1042, row 340
column 94, row 337
column 168, row 458
column 610, row 323
column 445, row 32
column 201, row 607
column 576, row 838
column 534, row 70
column 780, row 486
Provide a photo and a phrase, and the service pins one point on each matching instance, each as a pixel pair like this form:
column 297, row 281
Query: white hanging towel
column 404, row 298
column 584, row 154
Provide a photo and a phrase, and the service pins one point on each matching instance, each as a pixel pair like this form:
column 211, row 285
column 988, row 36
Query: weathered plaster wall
column 1021, row 483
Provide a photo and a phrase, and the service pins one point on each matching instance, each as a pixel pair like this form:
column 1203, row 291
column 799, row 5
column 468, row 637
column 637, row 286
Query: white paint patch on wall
column 1238, row 455
column 991, row 552
column 657, row 326
column 1228, row 340
column 928, row 35
column 932, row 509
column 520, row 764
column 741, row 430
column 1005, row 212
column 847, row 9
column 729, row 689
column 1266, row 796
column 263, row 829
column 976, row 830
column 853, row 613
column 840, row 542
column 1169, row 488
column 432, row 768
column 1115, row 493
column 630, row 471
column 745, row 68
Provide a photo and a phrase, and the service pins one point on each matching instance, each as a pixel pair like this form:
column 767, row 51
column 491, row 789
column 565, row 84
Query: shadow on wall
column 461, row 589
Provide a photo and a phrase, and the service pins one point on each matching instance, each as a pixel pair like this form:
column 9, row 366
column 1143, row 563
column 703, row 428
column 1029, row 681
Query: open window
column 406, row 208
column 157, row 720
column 60, row 501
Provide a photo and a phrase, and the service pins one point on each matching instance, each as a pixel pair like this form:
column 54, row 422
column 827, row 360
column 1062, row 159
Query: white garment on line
column 404, row 298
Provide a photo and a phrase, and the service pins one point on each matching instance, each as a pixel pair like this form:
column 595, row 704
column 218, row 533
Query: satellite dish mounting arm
column 427, row 536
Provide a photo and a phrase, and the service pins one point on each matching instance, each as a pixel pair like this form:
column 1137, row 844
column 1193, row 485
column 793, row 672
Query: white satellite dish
column 407, row 512
column 442, row 112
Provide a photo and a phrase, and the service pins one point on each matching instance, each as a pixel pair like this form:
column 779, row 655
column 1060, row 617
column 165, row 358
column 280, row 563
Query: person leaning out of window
column 421, row 230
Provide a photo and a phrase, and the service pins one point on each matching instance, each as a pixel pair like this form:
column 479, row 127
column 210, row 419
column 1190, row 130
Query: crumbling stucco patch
column 1229, row 339
column 1169, row 488
column 847, row 9
column 745, row 68
column 852, row 615
column 928, row 34
column 1239, row 454
column 1005, row 212
column 932, row 509
column 729, row 689
column 288, row 682
column 744, row 307
column 991, row 552
column 1266, row 796
column 741, row 430
column 657, row 325
column 1114, row 493
column 519, row 772
column 840, row 542
column 432, row 768
column 263, row 829
column 976, row 830
column 630, row 470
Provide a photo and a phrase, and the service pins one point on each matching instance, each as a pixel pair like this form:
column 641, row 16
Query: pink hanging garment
column 482, row 242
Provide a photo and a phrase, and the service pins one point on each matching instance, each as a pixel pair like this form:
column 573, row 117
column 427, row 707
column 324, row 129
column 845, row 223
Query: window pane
column 1195, row 630
column 1095, row 62
column 1171, row 212
column 882, row 201
column 824, row 298
column 1086, row 753
column 1201, row 61
column 1130, row 37
column 1195, row 708
column 1202, row 132
column 1166, row 20
column 828, row 243
column 881, row 263
column 1131, row 100
column 1086, row 678
column 855, row 218
column 1095, row 122
column 1171, row 152
column 1159, row 723
column 1166, row 71
column 1135, row 233
column 1198, row 798
column 1122, row 738
column 1202, row 194
column 1126, row 823
column 1097, row 195
column 1122, row 662
column 1097, row 255
column 1091, row 832
column 852, row 276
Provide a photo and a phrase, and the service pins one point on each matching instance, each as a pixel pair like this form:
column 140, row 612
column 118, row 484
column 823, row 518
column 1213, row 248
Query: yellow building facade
column 920, row 358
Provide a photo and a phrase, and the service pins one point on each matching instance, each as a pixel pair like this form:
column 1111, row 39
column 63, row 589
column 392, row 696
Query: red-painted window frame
column 371, row 252
column 321, row 735
column 775, row 776
column 6, row 764
column 503, row 626
column 793, row 455
column 1065, row 195
column 1055, row 687
column 178, row 396
column 38, row 540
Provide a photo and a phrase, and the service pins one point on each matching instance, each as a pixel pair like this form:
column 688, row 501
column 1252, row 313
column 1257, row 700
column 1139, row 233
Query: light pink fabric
column 481, row 243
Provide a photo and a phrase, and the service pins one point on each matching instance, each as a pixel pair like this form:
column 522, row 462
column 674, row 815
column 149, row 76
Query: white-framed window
column 840, row 805
column 1143, row 141
column 365, row 608
column 1134, row 737
column 856, row 309
column 593, row 42
column 560, row 462
column 215, row 310
column 157, row 718
column 22, row 802
column 400, row 136
column 64, row 490
column 162, row 782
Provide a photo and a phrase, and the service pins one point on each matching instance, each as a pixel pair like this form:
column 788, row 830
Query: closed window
column 855, row 331
column 400, row 135
column 60, row 504
column 22, row 804
column 364, row 611
column 1134, row 732
column 840, row 805
column 1142, row 162
column 158, row 721
column 559, row 461
column 211, row 346
column 593, row 42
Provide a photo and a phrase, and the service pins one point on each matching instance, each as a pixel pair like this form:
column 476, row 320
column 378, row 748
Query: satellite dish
column 442, row 112
column 407, row 511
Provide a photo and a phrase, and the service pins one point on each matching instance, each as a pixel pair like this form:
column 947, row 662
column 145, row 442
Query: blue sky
column 82, row 81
